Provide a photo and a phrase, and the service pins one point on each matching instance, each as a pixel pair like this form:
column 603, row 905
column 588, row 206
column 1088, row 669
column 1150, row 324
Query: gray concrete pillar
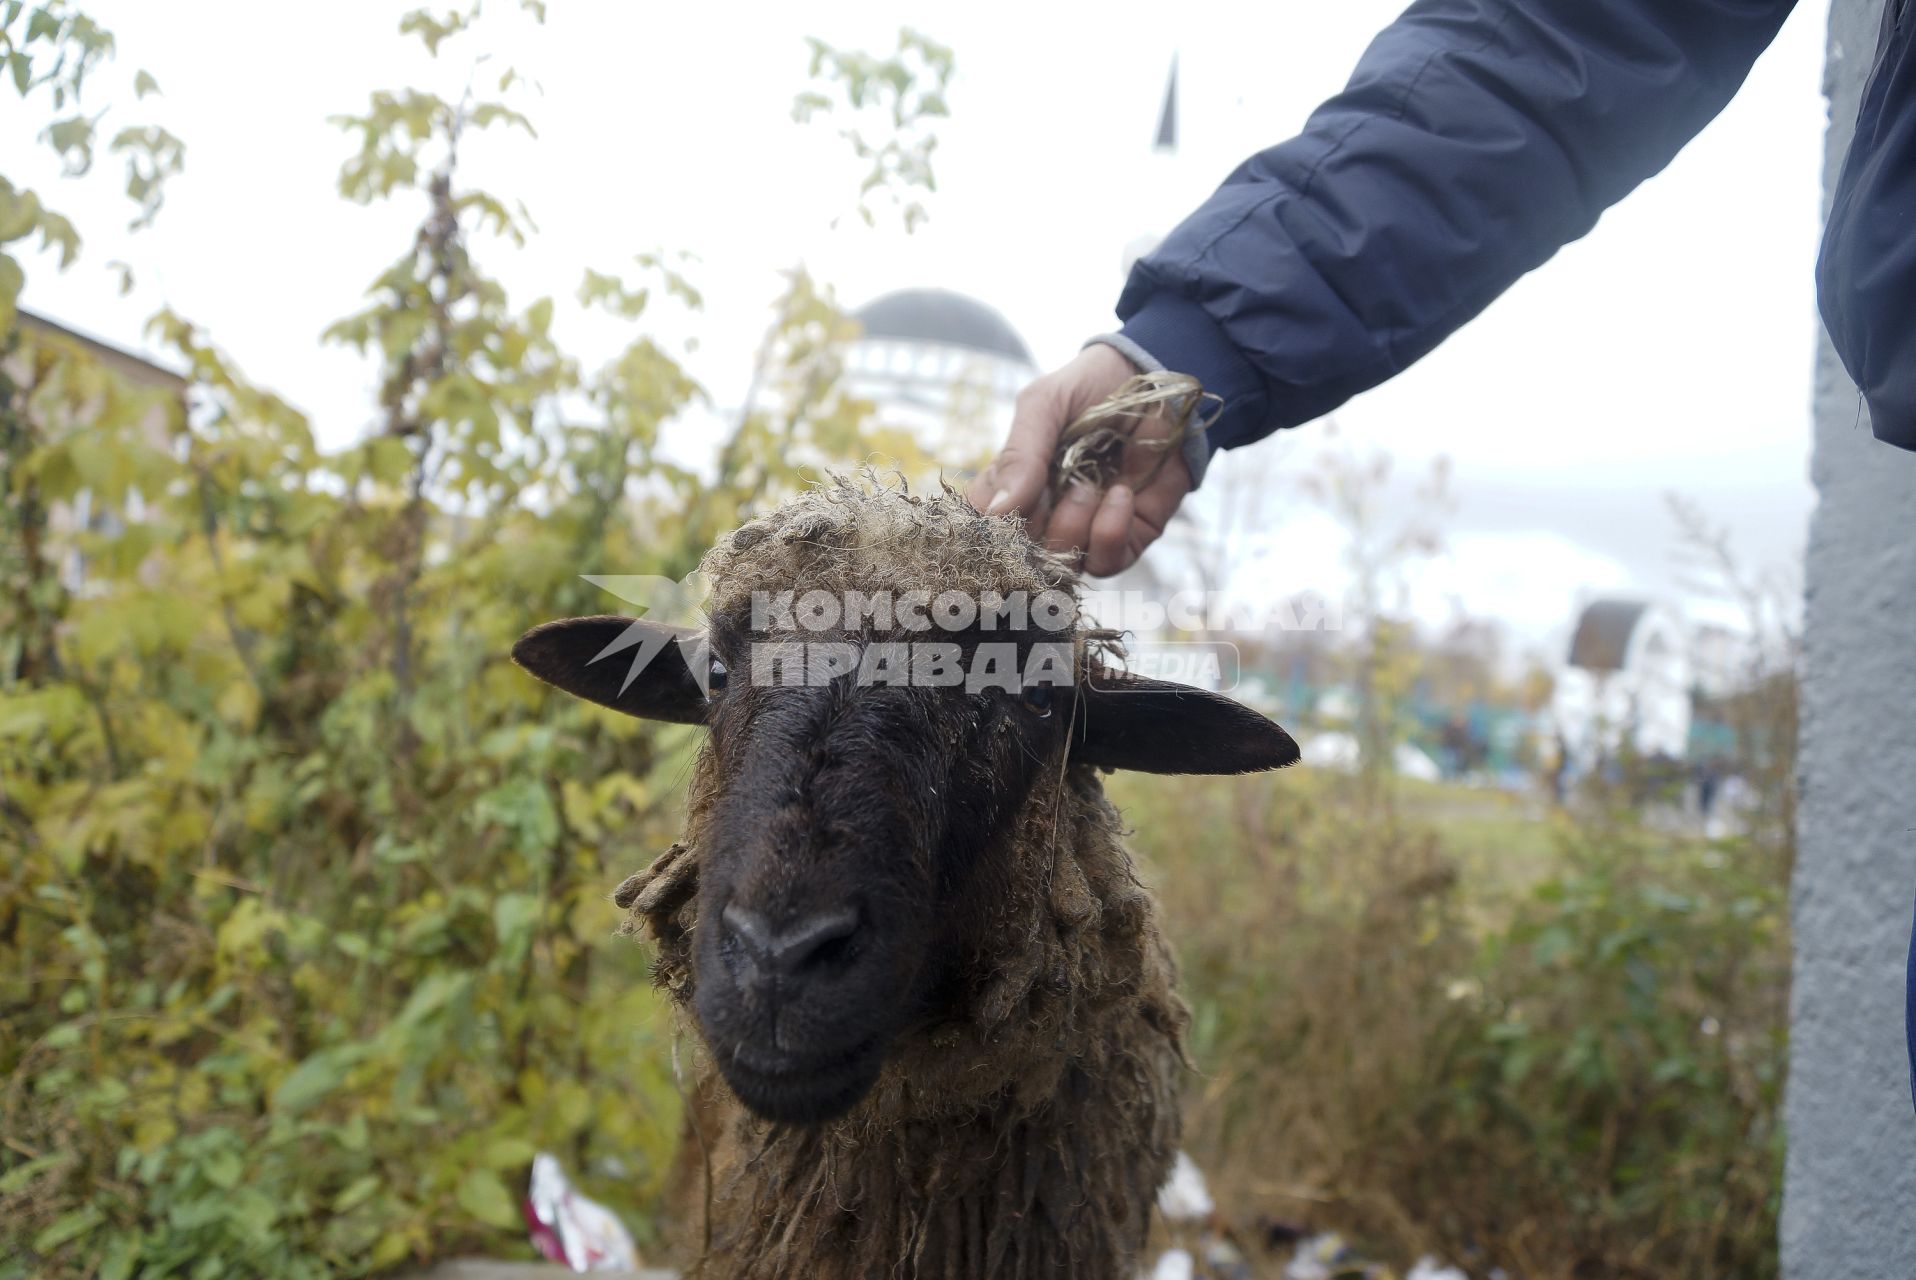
column 1849, row 1203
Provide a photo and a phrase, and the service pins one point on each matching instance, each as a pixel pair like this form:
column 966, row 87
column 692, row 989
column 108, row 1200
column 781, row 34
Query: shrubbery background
column 305, row 937
column 1445, row 1027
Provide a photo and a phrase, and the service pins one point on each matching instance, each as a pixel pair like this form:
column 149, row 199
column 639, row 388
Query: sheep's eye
column 715, row 678
column 1037, row 700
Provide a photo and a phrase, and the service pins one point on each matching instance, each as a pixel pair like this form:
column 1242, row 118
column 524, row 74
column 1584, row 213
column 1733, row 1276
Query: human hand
column 1109, row 528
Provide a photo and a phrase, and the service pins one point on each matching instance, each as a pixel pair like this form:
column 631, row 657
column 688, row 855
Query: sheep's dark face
column 855, row 825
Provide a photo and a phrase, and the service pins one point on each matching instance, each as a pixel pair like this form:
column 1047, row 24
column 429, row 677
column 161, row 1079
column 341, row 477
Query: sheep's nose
column 809, row 943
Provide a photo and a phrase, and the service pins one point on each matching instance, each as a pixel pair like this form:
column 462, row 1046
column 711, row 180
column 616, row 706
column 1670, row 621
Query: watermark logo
column 919, row 664
column 1216, row 665
column 801, row 635
column 677, row 610
column 915, row 611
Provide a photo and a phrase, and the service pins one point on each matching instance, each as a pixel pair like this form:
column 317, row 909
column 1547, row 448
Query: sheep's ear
column 592, row 658
column 1129, row 722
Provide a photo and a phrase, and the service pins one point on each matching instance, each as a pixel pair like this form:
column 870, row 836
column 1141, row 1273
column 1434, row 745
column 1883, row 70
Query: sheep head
column 853, row 796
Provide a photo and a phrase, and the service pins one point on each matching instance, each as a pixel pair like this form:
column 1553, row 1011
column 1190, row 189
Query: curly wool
column 1022, row 1129
column 858, row 534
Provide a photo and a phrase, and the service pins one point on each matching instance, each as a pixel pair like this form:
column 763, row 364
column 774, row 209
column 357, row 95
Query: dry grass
column 1457, row 1028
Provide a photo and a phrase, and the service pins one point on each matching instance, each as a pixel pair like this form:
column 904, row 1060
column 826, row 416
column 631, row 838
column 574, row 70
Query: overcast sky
column 1669, row 351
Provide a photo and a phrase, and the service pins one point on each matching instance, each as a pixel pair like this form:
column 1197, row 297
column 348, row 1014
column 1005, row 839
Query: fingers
column 1158, row 501
column 1069, row 528
column 1039, row 520
column 1016, row 479
column 1130, row 520
column 1108, row 549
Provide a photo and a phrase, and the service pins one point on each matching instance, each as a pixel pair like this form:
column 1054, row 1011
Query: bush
column 1633, row 1042
column 306, row 942
column 1572, row 1076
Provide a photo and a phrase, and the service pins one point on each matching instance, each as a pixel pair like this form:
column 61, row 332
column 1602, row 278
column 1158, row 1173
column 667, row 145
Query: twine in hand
column 1091, row 448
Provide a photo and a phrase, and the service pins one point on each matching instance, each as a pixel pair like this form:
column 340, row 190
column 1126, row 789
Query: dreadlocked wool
column 1023, row 1128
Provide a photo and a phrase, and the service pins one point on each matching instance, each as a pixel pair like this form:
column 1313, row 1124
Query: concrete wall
column 1849, row 1207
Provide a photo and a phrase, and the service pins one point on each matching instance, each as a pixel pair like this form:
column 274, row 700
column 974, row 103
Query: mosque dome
column 944, row 317
column 1604, row 632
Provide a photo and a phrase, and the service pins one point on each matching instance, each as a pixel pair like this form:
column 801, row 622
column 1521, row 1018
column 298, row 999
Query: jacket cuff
column 1182, row 337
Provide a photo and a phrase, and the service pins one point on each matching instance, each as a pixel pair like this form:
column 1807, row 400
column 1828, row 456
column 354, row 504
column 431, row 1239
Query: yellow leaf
column 152, row 1133
column 392, row 1247
column 11, row 280
column 239, row 705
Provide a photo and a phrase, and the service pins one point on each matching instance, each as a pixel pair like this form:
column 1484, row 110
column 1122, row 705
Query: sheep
column 942, row 1031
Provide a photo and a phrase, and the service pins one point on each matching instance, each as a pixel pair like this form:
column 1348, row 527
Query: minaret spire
column 1167, row 139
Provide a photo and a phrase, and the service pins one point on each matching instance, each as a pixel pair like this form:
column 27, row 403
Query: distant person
column 1709, row 776
column 1475, row 139
column 1455, row 746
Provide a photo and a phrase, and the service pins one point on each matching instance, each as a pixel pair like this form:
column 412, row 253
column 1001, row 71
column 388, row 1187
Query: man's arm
column 1475, row 138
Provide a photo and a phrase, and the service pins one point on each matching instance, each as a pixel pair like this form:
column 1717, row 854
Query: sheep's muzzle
column 819, row 874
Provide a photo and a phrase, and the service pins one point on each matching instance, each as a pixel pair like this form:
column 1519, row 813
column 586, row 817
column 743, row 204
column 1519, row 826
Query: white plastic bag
column 568, row 1228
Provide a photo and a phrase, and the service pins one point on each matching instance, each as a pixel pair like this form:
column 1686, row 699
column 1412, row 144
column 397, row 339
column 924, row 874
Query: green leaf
column 1553, row 944
column 223, row 1169
column 67, row 1227
column 400, row 330
column 513, row 916
column 1516, row 1067
column 73, row 139
column 388, row 459
column 121, row 1254
column 316, row 1077
column 433, row 31
column 19, row 212
column 524, row 807
column 12, row 279
column 253, row 1211
column 356, row 1193
column 433, row 993
column 509, row 1153
column 539, row 316
column 144, row 83
column 55, row 229
column 20, row 1176
column 483, row 1194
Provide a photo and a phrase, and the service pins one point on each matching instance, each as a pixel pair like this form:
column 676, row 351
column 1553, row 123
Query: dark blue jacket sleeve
column 1866, row 274
column 1475, row 139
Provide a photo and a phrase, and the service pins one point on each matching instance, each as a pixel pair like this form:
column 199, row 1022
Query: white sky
column 1670, row 350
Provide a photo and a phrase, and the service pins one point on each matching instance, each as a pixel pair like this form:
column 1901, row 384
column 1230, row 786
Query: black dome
column 940, row 315
column 1603, row 634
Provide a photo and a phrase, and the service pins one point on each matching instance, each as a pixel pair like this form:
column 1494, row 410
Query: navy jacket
column 1475, row 139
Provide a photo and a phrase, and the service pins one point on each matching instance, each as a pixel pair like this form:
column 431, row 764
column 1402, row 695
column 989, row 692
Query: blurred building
column 87, row 513
column 943, row 365
column 1627, row 682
